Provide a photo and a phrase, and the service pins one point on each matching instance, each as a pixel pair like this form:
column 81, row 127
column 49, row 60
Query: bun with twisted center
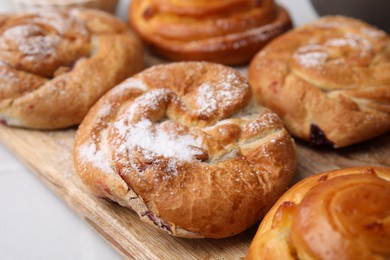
column 341, row 214
column 329, row 81
column 223, row 31
column 183, row 145
column 54, row 64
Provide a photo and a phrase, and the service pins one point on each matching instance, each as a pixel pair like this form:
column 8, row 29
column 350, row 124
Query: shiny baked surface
column 183, row 145
column 342, row 214
column 55, row 64
column 228, row 32
column 328, row 80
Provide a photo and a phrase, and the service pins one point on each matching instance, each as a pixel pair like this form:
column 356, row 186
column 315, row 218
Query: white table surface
column 36, row 224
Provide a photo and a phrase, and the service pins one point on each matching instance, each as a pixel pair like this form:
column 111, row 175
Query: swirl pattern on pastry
column 55, row 64
column 329, row 81
column 343, row 214
column 183, row 146
column 223, row 31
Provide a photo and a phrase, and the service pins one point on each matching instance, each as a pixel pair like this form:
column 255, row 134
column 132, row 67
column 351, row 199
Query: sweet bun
column 185, row 148
column 54, row 65
column 328, row 80
column 224, row 31
column 341, row 214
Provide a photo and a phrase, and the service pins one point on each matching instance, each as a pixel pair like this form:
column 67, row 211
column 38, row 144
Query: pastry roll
column 223, row 31
column 185, row 148
column 342, row 214
column 55, row 64
column 328, row 80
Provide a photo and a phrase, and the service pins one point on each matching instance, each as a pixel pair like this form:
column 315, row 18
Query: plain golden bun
column 224, row 31
column 54, row 65
column 183, row 145
column 342, row 214
column 328, row 80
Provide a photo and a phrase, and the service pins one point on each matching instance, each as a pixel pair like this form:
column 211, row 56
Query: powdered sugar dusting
column 225, row 93
column 172, row 166
column 310, row 59
column 315, row 55
column 44, row 46
column 29, row 40
column 104, row 110
column 254, row 126
column 160, row 143
column 152, row 98
column 89, row 153
column 373, row 33
column 60, row 21
column 205, row 100
column 311, row 55
column 6, row 74
column 353, row 41
column 266, row 120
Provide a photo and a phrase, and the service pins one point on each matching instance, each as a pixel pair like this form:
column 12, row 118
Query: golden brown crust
column 182, row 145
column 329, row 81
column 54, row 65
column 228, row 32
column 342, row 214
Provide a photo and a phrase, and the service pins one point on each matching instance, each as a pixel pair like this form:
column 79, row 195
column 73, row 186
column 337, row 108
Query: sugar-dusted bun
column 328, row 80
column 341, row 214
column 54, row 65
column 183, row 146
column 223, row 31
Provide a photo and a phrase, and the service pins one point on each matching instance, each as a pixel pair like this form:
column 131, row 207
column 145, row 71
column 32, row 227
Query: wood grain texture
column 49, row 155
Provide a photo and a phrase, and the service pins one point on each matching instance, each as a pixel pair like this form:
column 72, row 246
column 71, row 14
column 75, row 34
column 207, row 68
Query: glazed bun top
column 341, row 214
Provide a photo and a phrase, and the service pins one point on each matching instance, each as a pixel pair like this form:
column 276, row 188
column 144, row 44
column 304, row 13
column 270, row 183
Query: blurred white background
column 35, row 224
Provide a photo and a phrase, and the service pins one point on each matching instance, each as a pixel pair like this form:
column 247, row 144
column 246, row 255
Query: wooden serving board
column 49, row 155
